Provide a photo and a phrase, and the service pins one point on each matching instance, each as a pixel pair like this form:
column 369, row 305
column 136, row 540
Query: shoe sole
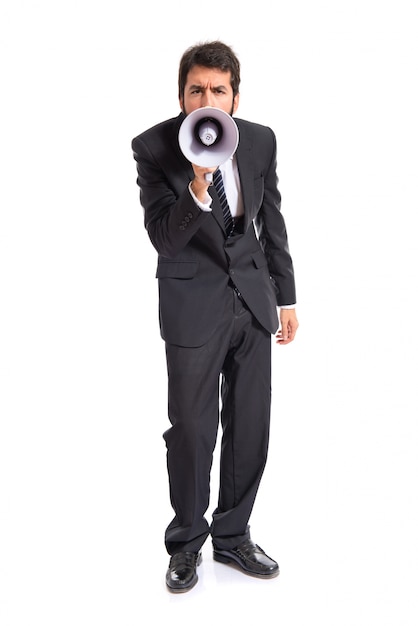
column 237, row 565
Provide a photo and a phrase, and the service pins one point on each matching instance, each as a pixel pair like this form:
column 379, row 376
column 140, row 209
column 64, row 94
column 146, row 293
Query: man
column 218, row 298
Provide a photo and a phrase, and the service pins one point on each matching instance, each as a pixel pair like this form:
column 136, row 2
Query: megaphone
column 208, row 137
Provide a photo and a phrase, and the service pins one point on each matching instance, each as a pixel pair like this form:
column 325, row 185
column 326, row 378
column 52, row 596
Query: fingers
column 288, row 329
column 203, row 174
column 283, row 338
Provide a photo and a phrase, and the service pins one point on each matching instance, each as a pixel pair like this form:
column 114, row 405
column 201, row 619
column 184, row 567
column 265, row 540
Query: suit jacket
column 196, row 260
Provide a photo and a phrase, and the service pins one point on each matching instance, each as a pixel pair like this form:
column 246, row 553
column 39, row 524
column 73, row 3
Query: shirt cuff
column 287, row 306
column 203, row 206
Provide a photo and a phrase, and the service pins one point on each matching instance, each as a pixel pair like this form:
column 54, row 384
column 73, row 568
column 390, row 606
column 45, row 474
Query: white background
column 84, row 496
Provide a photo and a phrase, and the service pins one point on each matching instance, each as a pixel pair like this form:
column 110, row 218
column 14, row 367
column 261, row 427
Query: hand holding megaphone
column 208, row 137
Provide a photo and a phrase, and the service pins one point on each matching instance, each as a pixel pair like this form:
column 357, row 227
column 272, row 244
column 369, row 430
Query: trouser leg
column 246, row 399
column 193, row 401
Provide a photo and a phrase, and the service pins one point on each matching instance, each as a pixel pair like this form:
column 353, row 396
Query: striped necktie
column 219, row 186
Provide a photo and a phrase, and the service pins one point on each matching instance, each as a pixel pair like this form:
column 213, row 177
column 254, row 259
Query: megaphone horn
column 208, row 137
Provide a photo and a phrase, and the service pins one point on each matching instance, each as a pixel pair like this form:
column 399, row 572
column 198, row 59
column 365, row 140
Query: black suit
column 211, row 328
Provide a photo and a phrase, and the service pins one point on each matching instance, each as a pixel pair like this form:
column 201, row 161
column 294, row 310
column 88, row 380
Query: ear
column 235, row 103
column 181, row 103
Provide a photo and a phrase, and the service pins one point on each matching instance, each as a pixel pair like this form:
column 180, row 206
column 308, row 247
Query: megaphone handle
column 209, row 177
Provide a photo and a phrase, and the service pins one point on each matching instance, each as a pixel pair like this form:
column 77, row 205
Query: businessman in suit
column 220, row 288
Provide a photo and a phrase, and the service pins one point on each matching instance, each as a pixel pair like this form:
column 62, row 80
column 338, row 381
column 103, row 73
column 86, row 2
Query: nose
column 208, row 98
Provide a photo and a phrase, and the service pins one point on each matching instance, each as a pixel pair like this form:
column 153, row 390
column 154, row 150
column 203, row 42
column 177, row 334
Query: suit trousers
column 228, row 378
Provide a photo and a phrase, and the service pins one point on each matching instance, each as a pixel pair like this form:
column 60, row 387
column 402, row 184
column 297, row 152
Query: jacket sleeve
column 272, row 234
column 171, row 216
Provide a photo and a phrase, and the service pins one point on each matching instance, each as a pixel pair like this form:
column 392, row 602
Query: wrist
column 199, row 188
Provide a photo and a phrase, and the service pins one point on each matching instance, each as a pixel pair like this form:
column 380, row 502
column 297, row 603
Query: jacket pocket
column 176, row 269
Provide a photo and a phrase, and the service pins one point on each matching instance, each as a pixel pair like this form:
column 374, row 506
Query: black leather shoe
column 181, row 574
column 249, row 558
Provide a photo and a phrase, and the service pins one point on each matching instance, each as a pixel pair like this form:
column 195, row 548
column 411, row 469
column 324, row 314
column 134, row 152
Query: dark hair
column 210, row 54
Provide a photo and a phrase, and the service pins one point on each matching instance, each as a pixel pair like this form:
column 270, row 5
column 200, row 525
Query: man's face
column 206, row 86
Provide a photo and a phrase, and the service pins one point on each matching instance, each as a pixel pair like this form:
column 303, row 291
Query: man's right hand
column 200, row 184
